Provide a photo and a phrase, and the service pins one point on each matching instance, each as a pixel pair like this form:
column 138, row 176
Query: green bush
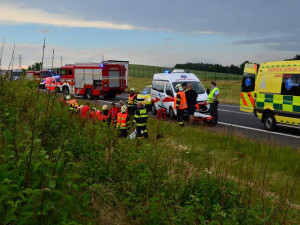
column 56, row 168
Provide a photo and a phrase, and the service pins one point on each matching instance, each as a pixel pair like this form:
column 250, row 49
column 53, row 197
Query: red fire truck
column 93, row 80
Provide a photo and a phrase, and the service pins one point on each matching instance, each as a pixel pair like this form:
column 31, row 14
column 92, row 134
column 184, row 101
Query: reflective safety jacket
column 73, row 103
column 123, row 121
column 132, row 100
column 180, row 101
column 211, row 95
column 140, row 117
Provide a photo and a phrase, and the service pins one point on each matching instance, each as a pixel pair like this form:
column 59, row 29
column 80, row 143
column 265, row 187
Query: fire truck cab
column 93, row 80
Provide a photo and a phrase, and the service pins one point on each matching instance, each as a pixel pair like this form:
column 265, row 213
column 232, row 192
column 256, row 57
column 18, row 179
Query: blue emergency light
column 167, row 71
column 101, row 65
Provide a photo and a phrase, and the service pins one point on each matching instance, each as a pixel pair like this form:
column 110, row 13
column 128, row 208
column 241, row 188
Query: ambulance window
column 248, row 82
column 158, row 86
column 290, row 84
column 70, row 72
column 169, row 90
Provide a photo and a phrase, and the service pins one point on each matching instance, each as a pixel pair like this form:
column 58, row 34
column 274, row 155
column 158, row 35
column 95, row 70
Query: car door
column 167, row 102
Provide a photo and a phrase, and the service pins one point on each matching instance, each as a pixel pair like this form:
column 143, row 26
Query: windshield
column 197, row 86
column 146, row 90
column 248, row 83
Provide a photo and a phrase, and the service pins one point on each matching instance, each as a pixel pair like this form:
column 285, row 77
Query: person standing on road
column 191, row 99
column 213, row 101
column 112, row 114
column 123, row 122
column 184, row 87
column 140, row 120
column 131, row 102
column 180, row 104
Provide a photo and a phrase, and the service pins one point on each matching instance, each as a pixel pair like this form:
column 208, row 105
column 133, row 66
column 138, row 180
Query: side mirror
column 208, row 91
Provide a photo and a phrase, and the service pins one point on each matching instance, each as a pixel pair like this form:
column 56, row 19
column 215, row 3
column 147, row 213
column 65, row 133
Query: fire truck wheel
column 89, row 94
column 66, row 90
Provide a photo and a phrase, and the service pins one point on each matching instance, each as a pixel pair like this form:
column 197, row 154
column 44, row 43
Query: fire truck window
column 63, row 72
column 70, row 72
column 290, row 84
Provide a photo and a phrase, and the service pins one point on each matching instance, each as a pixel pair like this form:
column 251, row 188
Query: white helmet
column 179, row 87
column 68, row 97
column 132, row 89
column 105, row 107
column 123, row 109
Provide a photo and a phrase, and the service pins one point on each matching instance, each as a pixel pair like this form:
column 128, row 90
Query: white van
column 163, row 90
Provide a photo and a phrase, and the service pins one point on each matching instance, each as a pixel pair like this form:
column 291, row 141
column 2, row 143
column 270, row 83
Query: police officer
column 213, row 101
column 140, row 120
column 180, row 104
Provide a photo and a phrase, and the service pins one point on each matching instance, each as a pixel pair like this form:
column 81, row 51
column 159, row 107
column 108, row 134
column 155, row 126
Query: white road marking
column 225, row 110
column 104, row 101
column 233, row 106
column 255, row 129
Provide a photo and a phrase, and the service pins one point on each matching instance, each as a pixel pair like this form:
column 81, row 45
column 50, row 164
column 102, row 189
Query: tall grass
column 56, row 168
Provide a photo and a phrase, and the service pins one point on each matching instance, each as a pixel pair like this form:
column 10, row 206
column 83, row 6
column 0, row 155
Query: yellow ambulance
column 276, row 93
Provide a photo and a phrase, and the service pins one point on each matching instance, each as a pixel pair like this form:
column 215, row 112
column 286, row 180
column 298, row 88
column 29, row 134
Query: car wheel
column 172, row 114
column 89, row 94
column 269, row 122
column 153, row 109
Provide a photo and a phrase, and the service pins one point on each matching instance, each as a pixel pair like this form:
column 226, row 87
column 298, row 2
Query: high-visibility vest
column 122, row 120
column 140, row 117
column 131, row 101
column 182, row 104
column 210, row 98
column 73, row 103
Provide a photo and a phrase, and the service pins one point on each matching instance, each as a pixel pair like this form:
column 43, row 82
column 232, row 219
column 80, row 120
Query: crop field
column 230, row 89
column 57, row 168
column 148, row 71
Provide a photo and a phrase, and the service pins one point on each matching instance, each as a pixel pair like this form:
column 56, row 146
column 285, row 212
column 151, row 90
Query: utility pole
column 61, row 61
column 53, row 58
column 43, row 56
column 1, row 52
column 20, row 61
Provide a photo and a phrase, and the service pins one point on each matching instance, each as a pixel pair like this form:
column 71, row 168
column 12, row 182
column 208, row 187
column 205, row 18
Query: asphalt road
column 245, row 124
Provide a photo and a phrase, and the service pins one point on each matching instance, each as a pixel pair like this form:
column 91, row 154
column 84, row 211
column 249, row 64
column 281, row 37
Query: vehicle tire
column 153, row 109
column 172, row 114
column 269, row 122
column 89, row 94
column 66, row 90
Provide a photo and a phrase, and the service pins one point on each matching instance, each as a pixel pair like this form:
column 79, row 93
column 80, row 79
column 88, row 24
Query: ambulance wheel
column 66, row 90
column 89, row 94
column 270, row 122
column 153, row 109
column 172, row 114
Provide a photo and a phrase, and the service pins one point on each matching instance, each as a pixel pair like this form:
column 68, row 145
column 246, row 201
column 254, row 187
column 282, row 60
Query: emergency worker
column 213, row 101
column 84, row 112
column 123, row 122
column 112, row 114
column 131, row 102
column 180, row 104
column 140, row 120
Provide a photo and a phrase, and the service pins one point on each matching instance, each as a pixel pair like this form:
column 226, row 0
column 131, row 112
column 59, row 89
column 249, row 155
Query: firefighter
column 73, row 104
column 140, row 120
column 105, row 110
column 123, row 122
column 131, row 102
column 180, row 104
column 213, row 101
column 112, row 114
column 93, row 113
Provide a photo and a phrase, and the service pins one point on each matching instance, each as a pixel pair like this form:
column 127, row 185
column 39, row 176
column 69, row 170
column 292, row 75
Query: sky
column 156, row 32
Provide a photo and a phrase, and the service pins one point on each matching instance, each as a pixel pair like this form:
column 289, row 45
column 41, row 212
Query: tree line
column 232, row 69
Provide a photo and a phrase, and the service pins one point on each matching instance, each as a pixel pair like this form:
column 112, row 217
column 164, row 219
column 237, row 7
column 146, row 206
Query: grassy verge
column 57, row 168
column 230, row 90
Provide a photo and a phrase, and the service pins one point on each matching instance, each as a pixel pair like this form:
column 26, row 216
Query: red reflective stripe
column 251, row 98
column 243, row 99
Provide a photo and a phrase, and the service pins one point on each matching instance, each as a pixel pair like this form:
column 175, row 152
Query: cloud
column 26, row 15
column 44, row 30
